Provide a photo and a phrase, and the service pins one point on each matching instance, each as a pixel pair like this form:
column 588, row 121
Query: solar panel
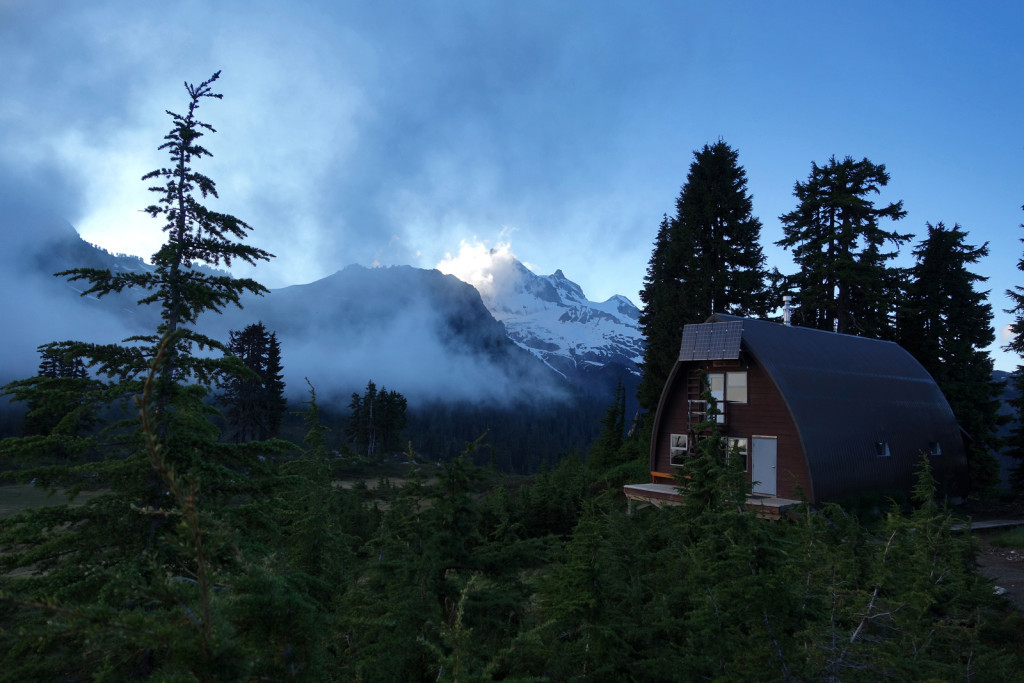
column 689, row 339
column 711, row 341
column 703, row 341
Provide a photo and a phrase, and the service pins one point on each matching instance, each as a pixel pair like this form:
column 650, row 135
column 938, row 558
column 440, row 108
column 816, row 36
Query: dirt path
column 1005, row 567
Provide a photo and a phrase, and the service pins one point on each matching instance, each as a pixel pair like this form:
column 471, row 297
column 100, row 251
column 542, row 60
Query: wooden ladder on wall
column 696, row 406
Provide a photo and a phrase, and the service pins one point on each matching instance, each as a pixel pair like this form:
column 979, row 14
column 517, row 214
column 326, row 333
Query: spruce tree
column 660, row 320
column 604, row 453
column 182, row 282
column 376, row 420
column 58, row 400
column 162, row 574
column 706, row 259
column 717, row 211
column 391, row 406
column 255, row 403
column 1016, row 345
column 947, row 325
column 839, row 244
column 54, row 364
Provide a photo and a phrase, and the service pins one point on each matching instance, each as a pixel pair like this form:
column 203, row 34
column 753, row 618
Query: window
column 677, row 449
column 736, row 387
column 716, row 385
column 882, row 449
column 727, row 387
column 934, row 448
column 738, row 447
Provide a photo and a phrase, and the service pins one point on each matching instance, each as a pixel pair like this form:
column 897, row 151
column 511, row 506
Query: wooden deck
column 642, row 495
column 989, row 524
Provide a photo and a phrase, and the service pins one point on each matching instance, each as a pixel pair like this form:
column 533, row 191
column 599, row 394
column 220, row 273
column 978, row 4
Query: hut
column 815, row 415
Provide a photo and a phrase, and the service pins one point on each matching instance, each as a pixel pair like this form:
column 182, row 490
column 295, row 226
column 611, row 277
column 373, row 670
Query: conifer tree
column 908, row 607
column 437, row 591
column 123, row 586
column 553, row 501
column 946, row 326
column 838, row 242
column 598, row 599
column 319, row 527
column 54, row 364
column 661, row 318
column 58, row 400
column 1016, row 345
column 706, row 259
column 376, row 420
column 196, row 236
column 255, row 403
column 605, row 452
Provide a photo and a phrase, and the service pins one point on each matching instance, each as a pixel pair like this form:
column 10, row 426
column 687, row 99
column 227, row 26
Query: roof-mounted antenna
column 785, row 309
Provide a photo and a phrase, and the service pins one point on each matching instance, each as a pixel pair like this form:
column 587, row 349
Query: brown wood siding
column 673, row 421
column 764, row 414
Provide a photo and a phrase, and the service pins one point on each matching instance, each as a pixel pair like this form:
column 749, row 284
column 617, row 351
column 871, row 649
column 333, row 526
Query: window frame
column 730, row 441
column 746, row 387
column 723, row 395
column 718, row 394
column 676, row 453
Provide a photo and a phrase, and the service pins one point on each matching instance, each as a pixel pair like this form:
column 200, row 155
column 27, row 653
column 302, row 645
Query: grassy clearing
column 1011, row 538
column 17, row 497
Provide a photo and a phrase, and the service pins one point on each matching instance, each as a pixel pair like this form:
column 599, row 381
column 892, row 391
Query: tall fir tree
column 947, row 325
column 838, row 243
column 707, row 259
column 180, row 283
column 255, row 403
column 604, row 452
column 61, row 403
column 196, row 236
column 1016, row 440
column 54, row 364
column 161, row 573
column 376, row 420
column 661, row 319
column 183, row 283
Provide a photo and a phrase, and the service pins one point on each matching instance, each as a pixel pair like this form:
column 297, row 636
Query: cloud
column 416, row 331
column 419, row 332
column 38, row 307
column 347, row 134
column 401, row 353
column 476, row 263
column 354, row 133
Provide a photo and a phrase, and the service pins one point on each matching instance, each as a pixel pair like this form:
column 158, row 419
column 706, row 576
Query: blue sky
column 400, row 133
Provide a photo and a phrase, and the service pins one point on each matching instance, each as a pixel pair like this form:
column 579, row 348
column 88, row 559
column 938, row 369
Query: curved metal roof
column 849, row 394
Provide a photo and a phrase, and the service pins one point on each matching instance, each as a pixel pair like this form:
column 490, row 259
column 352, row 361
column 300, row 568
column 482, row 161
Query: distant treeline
column 520, row 439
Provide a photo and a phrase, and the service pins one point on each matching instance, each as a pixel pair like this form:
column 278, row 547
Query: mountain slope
column 38, row 308
column 591, row 344
column 420, row 332
column 423, row 333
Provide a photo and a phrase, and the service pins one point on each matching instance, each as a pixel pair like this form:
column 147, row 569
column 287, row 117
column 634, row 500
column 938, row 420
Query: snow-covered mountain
column 525, row 338
column 419, row 331
column 591, row 344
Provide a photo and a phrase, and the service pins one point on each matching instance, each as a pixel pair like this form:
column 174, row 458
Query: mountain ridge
column 416, row 330
column 593, row 345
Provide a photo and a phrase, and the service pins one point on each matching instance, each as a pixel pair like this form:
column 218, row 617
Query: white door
column 763, row 455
